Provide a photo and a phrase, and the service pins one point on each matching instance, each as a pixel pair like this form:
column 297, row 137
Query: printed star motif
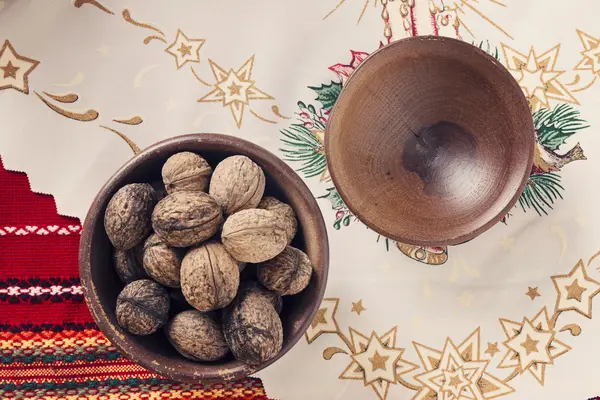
column 531, row 345
column 15, row 69
column 10, row 71
column 184, row 49
column 324, row 321
column 319, row 318
column 492, row 349
column 533, row 293
column 454, row 382
column 591, row 53
column 527, row 345
column 234, row 89
column 457, row 372
column 537, row 76
column 576, row 291
column 376, row 361
column 358, row 307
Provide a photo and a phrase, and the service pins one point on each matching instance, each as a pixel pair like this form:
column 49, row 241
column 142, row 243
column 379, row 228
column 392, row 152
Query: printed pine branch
column 540, row 193
column 555, row 126
column 305, row 148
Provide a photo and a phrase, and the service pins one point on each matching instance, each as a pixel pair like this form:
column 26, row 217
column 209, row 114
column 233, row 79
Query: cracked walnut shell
column 127, row 217
column 209, row 277
column 237, row 184
column 184, row 219
column 186, row 171
column 197, row 336
column 254, row 235
column 287, row 274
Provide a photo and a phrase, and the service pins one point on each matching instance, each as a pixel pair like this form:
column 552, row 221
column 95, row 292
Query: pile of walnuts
column 181, row 257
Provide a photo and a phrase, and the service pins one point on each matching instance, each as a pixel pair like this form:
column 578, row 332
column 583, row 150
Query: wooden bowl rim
column 494, row 63
column 237, row 370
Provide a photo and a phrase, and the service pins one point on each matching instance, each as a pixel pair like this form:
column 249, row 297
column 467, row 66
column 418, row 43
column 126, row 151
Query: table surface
column 85, row 84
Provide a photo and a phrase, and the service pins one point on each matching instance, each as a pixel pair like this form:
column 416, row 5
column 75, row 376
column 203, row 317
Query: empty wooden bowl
column 101, row 284
column 430, row 142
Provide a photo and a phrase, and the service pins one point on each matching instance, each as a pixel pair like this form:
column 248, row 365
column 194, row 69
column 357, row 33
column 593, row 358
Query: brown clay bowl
column 430, row 142
column 101, row 284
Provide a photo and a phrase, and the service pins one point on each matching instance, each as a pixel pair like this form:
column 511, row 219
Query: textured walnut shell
column 254, row 235
column 287, row 274
column 237, row 184
column 142, row 307
column 252, row 288
column 128, row 264
column 186, row 171
column 197, row 336
column 209, row 277
column 284, row 212
column 184, row 219
column 252, row 330
column 127, row 217
column 161, row 262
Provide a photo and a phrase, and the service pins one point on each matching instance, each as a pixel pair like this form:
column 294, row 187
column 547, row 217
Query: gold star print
column 454, row 382
column 376, row 361
column 184, row 49
column 358, row 307
column 526, row 342
column 10, row 71
column 462, row 361
column 15, row 68
column 538, row 77
column 324, row 321
column 532, row 293
column 319, row 318
column 576, row 290
column 234, row 89
column 240, row 97
column 531, row 345
column 492, row 349
column 591, row 55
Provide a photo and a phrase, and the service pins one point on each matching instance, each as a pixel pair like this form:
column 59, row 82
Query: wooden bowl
column 430, row 142
column 101, row 284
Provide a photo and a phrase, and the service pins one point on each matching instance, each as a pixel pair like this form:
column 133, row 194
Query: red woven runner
column 49, row 343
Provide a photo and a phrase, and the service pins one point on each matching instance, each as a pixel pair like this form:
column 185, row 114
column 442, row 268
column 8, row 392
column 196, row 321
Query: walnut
column 185, row 219
column 127, row 217
column 254, row 235
column 128, row 264
column 252, row 330
column 252, row 288
column 237, row 184
column 285, row 213
column 197, row 336
column 288, row 273
column 186, row 171
column 209, row 277
column 161, row 262
column 142, row 307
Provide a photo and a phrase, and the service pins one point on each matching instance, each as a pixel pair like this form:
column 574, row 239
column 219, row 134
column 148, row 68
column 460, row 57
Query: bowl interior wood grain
column 430, row 142
column 101, row 284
